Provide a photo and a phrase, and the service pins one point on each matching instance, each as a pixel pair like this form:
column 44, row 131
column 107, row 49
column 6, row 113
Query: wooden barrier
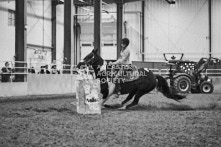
column 40, row 84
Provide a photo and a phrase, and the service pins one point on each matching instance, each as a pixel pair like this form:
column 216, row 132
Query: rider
column 124, row 60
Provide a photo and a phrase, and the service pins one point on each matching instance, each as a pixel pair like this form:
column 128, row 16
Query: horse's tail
column 163, row 87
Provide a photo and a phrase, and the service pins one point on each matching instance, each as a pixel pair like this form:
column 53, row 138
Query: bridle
column 90, row 61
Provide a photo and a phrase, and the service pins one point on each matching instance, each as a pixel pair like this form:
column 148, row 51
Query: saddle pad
column 131, row 75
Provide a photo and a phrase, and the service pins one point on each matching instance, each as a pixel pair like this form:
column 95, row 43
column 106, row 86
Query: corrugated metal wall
column 39, row 32
column 7, row 33
column 108, row 31
column 39, row 23
column 132, row 28
column 216, row 28
column 60, row 34
column 179, row 28
column 38, row 28
column 182, row 28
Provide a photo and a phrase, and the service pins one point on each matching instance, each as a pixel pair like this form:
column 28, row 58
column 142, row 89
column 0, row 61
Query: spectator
column 42, row 71
column 31, row 70
column 6, row 73
column 54, row 70
column 46, row 68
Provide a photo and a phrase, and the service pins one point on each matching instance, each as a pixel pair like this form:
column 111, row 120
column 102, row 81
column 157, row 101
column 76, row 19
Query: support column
column 53, row 20
column 119, row 25
column 20, row 38
column 97, row 25
column 68, row 32
column 210, row 27
column 143, row 30
column 76, row 38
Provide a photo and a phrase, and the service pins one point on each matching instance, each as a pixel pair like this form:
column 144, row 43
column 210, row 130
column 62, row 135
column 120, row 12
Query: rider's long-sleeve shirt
column 125, row 57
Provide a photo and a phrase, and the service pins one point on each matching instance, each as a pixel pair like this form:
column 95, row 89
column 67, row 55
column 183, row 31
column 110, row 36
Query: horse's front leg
column 136, row 99
column 104, row 101
column 129, row 97
column 111, row 91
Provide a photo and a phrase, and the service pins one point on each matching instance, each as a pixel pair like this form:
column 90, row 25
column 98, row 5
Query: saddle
column 127, row 73
column 130, row 73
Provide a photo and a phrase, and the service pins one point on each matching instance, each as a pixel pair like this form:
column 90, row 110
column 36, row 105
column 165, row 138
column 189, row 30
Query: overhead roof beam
column 171, row 1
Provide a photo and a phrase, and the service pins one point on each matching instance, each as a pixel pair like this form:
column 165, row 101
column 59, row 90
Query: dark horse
column 146, row 82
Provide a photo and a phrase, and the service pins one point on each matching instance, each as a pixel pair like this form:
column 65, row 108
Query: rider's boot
column 117, row 81
column 117, row 89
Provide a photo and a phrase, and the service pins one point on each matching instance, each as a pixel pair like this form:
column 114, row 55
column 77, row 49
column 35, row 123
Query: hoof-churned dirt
column 156, row 121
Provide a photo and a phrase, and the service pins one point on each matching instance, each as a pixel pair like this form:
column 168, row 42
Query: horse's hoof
column 122, row 108
column 102, row 107
column 108, row 106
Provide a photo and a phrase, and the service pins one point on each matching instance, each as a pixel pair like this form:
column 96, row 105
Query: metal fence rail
column 24, row 69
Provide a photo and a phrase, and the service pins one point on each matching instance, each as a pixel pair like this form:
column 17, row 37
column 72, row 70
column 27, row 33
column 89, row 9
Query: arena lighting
column 85, row 2
column 171, row 1
column 60, row 1
column 103, row 11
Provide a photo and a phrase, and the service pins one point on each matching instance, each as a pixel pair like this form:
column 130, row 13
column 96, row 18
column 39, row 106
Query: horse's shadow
column 142, row 107
column 113, row 106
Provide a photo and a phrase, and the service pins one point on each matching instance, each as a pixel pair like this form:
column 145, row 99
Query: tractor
column 188, row 76
column 201, row 83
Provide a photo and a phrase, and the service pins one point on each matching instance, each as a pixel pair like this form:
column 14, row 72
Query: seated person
column 6, row 73
column 46, row 68
column 42, row 71
column 54, row 70
column 31, row 70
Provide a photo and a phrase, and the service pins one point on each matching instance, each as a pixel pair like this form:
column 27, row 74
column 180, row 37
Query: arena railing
column 37, row 67
column 23, row 68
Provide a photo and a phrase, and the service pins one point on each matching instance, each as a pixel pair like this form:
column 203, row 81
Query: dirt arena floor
column 156, row 121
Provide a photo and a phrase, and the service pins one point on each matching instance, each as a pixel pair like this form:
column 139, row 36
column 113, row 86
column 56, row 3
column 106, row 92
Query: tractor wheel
column 182, row 85
column 206, row 87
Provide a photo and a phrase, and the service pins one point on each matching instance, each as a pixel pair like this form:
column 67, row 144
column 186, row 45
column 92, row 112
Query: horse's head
column 92, row 59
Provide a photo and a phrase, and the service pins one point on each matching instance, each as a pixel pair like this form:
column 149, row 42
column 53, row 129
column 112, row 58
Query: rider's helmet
column 125, row 41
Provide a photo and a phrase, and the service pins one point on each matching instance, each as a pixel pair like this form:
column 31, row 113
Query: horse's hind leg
column 129, row 97
column 136, row 99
